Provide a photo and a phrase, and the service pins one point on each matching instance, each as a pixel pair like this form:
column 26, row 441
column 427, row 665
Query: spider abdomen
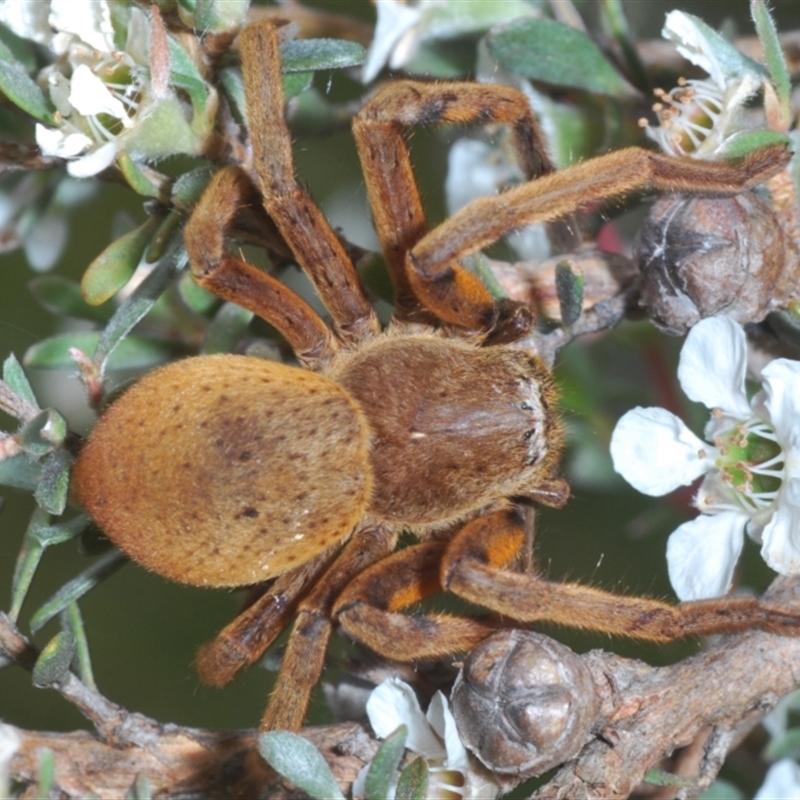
column 454, row 426
column 227, row 470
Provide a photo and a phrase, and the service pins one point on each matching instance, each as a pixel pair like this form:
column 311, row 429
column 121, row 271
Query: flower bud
column 704, row 256
column 524, row 703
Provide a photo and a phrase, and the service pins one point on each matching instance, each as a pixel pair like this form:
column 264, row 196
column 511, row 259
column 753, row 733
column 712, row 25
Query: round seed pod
column 702, row 256
column 524, row 703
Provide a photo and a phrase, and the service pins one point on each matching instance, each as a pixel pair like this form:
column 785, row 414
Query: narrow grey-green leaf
column 189, row 187
column 299, row 762
column 308, row 55
column 17, row 381
column 62, row 297
column 113, row 268
column 104, row 566
column 39, row 435
column 295, row 83
column 21, row 89
column 135, row 352
column 72, row 620
column 658, row 777
column 142, row 179
column 28, row 559
column 383, row 766
column 545, row 50
column 139, row 789
column 51, row 493
column 139, row 303
column 230, row 79
column 20, row 472
column 786, row 746
column 722, row 790
column 47, row 771
column 54, row 661
column 226, row 329
column 569, row 288
column 413, row 782
column 773, row 54
column 744, row 142
column 183, row 74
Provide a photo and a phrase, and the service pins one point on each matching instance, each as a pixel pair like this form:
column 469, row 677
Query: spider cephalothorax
column 230, row 471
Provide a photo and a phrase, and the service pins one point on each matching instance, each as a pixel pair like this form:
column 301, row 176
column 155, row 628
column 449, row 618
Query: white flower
column 781, row 783
column 433, row 736
column 699, row 116
column 750, row 459
column 402, row 27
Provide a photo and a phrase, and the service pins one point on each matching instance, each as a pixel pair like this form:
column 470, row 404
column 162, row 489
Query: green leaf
column 744, row 142
column 20, row 472
column 299, row 762
column 142, row 179
column 189, row 187
column 722, row 790
column 164, row 236
column 786, row 746
column 62, row 297
column 51, row 493
column 226, row 329
column 216, row 16
column 230, row 79
column 383, row 766
column 72, row 620
column 308, row 55
column 183, row 74
column 47, row 771
column 776, row 63
column 658, row 777
column 134, row 352
column 139, row 789
column 44, row 432
column 113, row 268
column 21, row 89
column 104, row 566
column 17, row 381
column 413, row 783
column 54, row 661
column 295, row 83
column 38, row 537
column 27, row 561
column 545, row 50
column 569, row 288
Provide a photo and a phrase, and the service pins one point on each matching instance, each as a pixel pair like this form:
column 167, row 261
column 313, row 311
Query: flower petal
column 54, row 142
column 89, row 20
column 93, row 162
column 394, row 19
column 656, row 453
column 90, row 96
column 782, row 388
column 443, row 723
column 702, row 554
column 781, row 535
column 392, row 704
column 782, row 781
column 713, row 364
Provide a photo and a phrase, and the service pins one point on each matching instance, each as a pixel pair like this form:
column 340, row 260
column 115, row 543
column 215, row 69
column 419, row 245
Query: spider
column 232, row 471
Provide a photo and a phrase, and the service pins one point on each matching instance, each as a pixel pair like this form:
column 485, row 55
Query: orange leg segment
column 470, row 568
column 301, row 223
column 305, row 652
column 394, row 197
column 369, row 608
column 241, row 283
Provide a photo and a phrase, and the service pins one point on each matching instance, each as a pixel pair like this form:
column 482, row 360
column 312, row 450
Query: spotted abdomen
column 227, row 470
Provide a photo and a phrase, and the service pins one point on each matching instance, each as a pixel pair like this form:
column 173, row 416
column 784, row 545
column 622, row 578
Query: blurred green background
column 143, row 631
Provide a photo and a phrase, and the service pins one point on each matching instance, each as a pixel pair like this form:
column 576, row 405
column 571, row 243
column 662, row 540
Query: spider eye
column 526, row 406
column 528, row 434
